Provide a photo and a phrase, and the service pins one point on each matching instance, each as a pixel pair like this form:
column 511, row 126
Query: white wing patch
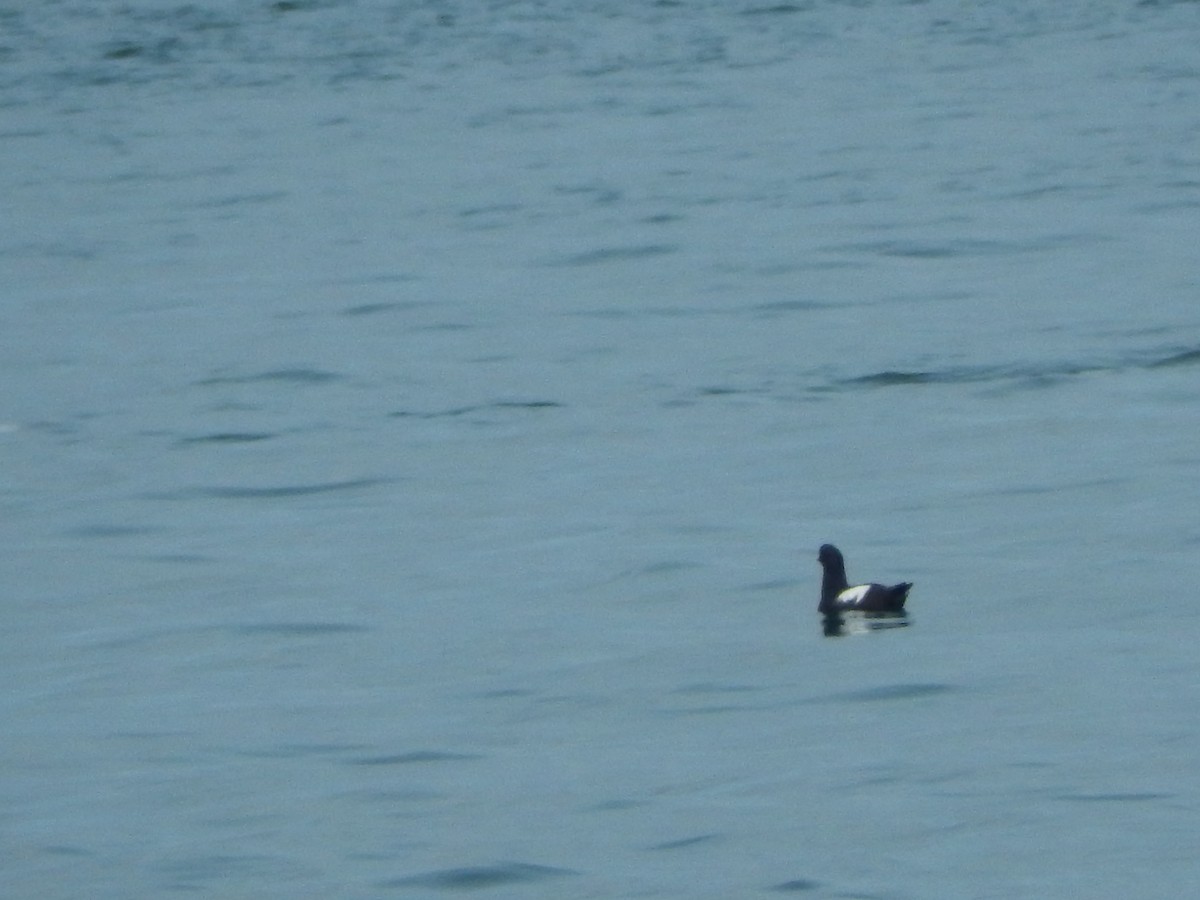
column 853, row 596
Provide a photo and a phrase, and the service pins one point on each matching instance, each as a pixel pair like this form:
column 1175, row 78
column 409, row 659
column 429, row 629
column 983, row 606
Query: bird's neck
column 833, row 582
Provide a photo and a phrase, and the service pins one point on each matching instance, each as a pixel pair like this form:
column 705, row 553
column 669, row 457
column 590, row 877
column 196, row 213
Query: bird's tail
column 900, row 593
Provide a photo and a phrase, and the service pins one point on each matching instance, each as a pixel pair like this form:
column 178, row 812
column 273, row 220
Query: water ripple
column 891, row 692
column 1132, row 797
column 683, row 843
column 1185, row 358
column 469, row 878
column 615, row 254
column 292, row 376
column 1028, row 374
column 228, row 437
column 797, row 884
column 415, row 756
column 455, row 411
column 965, row 247
column 268, row 493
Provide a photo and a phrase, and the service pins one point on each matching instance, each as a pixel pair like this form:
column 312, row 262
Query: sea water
column 419, row 421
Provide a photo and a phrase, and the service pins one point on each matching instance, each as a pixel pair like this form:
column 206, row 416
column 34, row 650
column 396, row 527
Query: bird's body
column 838, row 595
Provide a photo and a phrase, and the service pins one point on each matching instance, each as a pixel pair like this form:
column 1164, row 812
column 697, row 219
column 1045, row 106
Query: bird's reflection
column 846, row 624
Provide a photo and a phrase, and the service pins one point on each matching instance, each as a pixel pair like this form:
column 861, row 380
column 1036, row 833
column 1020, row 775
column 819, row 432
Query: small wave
column 686, row 842
column 294, row 490
column 893, row 377
column 1019, row 490
column 1030, row 376
column 720, row 390
column 416, row 756
column 293, row 376
column 1027, row 375
column 476, row 877
column 615, row 254
column 892, row 692
column 965, row 247
column 124, row 49
column 267, row 493
column 1132, row 797
column 370, row 309
column 454, row 411
column 1186, row 358
column 239, row 200
column 228, row 437
column 775, row 10
column 797, row 884
column 491, row 209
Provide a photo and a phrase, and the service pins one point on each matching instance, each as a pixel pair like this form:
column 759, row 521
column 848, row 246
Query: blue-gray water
column 419, row 422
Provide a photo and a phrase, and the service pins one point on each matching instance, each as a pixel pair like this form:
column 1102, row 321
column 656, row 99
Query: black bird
column 837, row 595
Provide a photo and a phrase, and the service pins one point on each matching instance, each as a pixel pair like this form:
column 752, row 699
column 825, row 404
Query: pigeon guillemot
column 838, row 596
